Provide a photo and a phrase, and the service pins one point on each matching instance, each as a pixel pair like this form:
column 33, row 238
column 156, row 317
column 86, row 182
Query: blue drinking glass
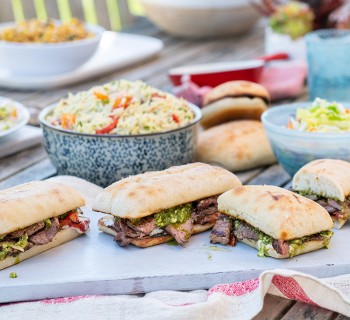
column 328, row 56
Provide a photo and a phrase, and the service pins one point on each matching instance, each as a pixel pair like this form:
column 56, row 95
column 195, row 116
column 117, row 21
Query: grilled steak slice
column 146, row 226
column 243, row 230
column 181, row 232
column 281, row 247
column 29, row 230
column 221, row 232
column 46, row 235
column 121, row 237
column 206, row 211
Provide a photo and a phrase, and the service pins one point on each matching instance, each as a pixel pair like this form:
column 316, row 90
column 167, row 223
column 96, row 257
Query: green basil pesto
column 47, row 223
column 264, row 242
column 175, row 215
column 7, row 246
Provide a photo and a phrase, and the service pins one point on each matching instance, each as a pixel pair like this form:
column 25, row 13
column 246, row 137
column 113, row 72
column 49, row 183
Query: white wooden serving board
column 116, row 50
column 94, row 264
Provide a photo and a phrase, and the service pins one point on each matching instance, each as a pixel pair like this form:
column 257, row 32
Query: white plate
column 23, row 115
column 116, row 50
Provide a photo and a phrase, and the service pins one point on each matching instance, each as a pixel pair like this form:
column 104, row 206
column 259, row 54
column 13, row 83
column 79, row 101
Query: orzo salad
column 122, row 108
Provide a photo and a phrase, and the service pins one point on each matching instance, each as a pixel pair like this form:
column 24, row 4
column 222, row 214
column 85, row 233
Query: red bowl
column 214, row 74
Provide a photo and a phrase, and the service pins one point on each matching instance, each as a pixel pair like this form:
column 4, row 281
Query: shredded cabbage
column 321, row 116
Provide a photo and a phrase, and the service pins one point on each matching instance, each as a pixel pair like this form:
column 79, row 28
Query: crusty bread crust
column 144, row 194
column 242, row 145
column 329, row 178
column 61, row 237
column 306, row 247
column 275, row 211
column 149, row 242
column 229, row 109
column 236, row 89
column 32, row 202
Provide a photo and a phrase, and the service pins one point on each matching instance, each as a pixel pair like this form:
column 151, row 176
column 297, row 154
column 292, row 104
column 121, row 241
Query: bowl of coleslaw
column 119, row 129
column 305, row 131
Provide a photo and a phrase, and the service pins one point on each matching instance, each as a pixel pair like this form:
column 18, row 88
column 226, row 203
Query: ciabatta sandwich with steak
column 277, row 222
column 38, row 216
column 327, row 182
column 156, row 207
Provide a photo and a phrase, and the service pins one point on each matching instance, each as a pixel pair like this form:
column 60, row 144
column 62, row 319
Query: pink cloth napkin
column 284, row 80
column 241, row 300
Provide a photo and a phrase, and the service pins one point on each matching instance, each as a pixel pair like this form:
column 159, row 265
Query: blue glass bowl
column 293, row 148
column 104, row 159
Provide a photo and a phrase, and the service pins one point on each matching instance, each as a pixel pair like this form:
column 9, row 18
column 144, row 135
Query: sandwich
column 38, row 216
column 276, row 221
column 160, row 206
column 326, row 181
column 234, row 100
column 236, row 145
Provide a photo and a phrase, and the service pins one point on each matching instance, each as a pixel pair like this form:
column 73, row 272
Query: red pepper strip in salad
column 157, row 95
column 109, row 127
column 176, row 118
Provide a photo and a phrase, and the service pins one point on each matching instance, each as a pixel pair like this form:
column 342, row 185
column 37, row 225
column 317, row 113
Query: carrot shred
column 68, row 120
column 101, row 96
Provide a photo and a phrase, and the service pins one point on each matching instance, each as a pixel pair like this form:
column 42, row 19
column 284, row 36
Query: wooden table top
column 33, row 164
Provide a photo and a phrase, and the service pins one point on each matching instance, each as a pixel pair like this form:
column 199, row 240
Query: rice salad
column 122, row 108
column 8, row 116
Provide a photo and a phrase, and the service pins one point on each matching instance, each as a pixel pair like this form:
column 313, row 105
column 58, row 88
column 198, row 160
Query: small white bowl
column 44, row 59
column 23, row 115
column 198, row 18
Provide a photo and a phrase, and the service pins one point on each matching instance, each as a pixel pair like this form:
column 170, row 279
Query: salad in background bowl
column 13, row 116
column 302, row 132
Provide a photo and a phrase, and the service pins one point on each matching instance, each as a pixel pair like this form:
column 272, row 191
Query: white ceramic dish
column 23, row 116
column 116, row 50
column 198, row 18
column 43, row 59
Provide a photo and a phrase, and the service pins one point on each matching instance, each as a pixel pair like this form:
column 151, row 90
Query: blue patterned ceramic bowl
column 293, row 148
column 104, row 159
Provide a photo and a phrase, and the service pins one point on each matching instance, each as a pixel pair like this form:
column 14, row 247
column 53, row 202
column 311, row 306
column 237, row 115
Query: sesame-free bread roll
column 236, row 145
column 234, row 100
column 145, row 194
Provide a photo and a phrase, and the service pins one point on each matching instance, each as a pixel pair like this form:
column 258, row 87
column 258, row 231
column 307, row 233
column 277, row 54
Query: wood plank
column 309, row 312
column 274, row 308
column 342, row 317
column 245, row 176
column 39, row 171
column 273, row 175
column 16, row 163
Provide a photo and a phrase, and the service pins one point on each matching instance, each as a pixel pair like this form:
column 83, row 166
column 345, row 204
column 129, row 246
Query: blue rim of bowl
column 196, row 110
column 95, row 29
column 314, row 36
column 280, row 130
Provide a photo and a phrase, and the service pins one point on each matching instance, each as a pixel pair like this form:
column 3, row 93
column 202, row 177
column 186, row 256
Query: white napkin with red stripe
column 241, row 300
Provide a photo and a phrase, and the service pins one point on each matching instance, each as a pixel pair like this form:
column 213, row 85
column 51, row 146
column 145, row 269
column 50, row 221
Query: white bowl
column 44, row 59
column 23, row 115
column 198, row 18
